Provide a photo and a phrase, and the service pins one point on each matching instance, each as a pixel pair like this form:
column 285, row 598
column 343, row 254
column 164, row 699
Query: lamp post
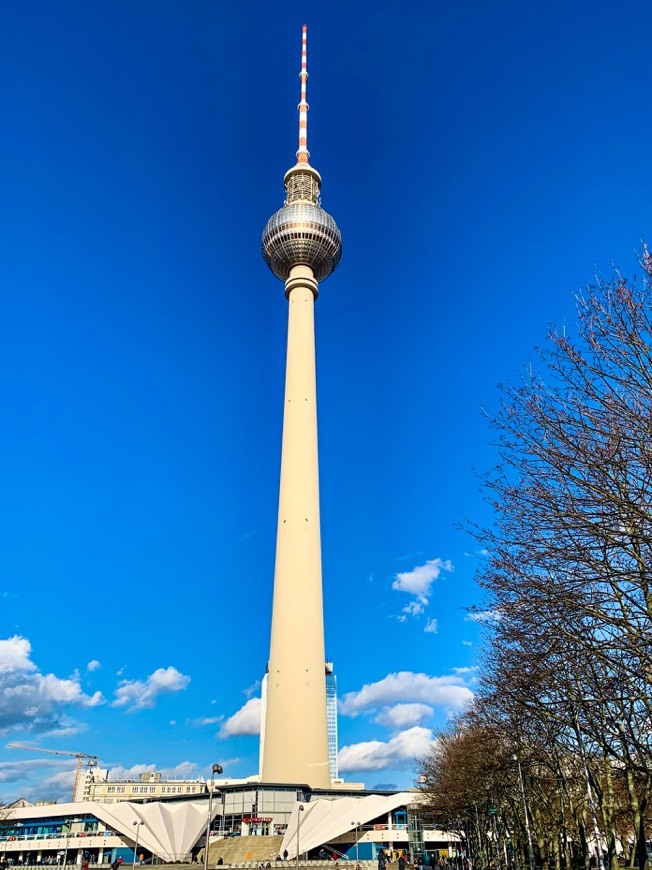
column 477, row 828
column 137, row 824
column 357, row 842
column 216, row 768
column 19, row 825
column 527, row 818
column 299, row 811
column 492, row 813
column 65, row 853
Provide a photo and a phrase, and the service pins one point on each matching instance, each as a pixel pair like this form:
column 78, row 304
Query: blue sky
column 483, row 160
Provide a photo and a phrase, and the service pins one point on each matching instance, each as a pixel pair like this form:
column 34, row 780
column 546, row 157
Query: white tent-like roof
column 322, row 820
column 169, row 830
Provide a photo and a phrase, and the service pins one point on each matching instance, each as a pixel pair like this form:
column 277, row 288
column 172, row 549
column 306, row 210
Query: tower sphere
column 302, row 234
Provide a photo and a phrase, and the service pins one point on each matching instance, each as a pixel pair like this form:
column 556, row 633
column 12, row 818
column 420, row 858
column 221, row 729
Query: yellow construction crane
column 80, row 756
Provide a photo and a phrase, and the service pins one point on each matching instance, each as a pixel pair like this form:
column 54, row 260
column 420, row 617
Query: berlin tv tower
column 302, row 246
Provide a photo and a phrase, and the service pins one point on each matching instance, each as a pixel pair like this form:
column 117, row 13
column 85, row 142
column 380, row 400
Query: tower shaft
column 302, row 246
column 296, row 737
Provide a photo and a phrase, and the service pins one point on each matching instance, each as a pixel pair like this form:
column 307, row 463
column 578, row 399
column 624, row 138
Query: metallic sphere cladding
column 302, row 234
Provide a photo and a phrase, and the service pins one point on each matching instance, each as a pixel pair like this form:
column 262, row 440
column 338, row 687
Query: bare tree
column 567, row 673
column 571, row 549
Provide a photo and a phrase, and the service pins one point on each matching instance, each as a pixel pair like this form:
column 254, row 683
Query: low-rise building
column 98, row 786
column 316, row 823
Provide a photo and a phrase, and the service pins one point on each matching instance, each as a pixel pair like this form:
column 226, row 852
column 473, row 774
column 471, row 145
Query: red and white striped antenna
column 303, row 154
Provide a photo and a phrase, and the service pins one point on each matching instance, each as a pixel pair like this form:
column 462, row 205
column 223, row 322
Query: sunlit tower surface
column 302, row 246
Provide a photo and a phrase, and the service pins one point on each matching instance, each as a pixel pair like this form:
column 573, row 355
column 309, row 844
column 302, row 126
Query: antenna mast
column 303, row 155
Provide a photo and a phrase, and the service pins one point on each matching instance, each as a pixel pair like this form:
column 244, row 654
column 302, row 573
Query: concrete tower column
column 296, row 739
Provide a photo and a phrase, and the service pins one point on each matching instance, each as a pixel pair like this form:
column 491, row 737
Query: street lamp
column 527, row 818
column 477, row 828
column 216, row 768
column 137, row 824
column 357, row 842
column 492, row 814
column 299, row 811
column 65, row 853
column 19, row 825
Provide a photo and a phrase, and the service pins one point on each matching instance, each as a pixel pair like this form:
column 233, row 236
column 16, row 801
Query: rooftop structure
column 97, row 786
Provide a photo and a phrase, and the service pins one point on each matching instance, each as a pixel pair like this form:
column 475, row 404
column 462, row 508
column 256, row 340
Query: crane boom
column 92, row 760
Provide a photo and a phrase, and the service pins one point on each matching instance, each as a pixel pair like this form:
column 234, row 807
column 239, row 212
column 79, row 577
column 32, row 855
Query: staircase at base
column 236, row 850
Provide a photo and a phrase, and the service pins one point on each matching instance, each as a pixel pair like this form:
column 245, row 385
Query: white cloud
column 183, row 770
column 39, row 779
column 66, row 728
column 467, row 643
column 399, row 752
column 205, row 720
column 484, row 616
column 414, row 608
column 431, row 626
column 227, row 763
column 93, row 665
column 245, row 721
column 14, row 771
column 449, row 692
column 118, row 772
column 404, row 715
column 15, row 655
column 67, row 691
column 31, row 701
column 60, row 782
column 418, row 581
column 141, row 694
column 252, row 688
